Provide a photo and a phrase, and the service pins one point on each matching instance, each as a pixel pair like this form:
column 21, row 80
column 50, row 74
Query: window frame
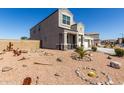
column 66, row 19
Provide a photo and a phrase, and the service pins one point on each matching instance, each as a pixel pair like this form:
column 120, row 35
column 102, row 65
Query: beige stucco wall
column 49, row 33
column 21, row 44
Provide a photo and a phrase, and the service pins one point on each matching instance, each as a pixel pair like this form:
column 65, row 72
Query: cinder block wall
column 21, row 44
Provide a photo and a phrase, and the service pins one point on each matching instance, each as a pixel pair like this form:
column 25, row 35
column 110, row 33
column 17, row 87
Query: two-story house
column 59, row 31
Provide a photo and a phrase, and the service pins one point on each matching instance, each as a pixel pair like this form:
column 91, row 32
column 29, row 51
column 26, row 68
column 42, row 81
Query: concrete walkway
column 106, row 50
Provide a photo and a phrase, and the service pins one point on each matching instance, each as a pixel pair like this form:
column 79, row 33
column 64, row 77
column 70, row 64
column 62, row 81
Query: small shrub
column 94, row 48
column 119, row 52
column 82, row 53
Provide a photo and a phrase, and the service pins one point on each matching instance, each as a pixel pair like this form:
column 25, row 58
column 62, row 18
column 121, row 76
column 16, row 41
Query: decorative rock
column 83, row 78
column 1, row 53
column 91, row 74
column 103, row 73
column 123, row 83
column 86, row 79
column 37, row 80
column 56, row 74
column 24, row 65
column 109, row 57
column 59, row 59
column 1, row 58
column 109, row 80
column 115, row 64
column 93, row 69
column 24, row 51
column 23, row 58
column 99, row 83
column 90, row 54
column 87, row 68
column 107, row 83
column 5, row 69
column 93, row 83
column 97, row 76
column 91, row 59
column 78, row 73
column 84, row 67
column 27, row 81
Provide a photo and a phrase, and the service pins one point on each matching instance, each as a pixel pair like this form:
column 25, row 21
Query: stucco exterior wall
column 49, row 32
column 21, row 44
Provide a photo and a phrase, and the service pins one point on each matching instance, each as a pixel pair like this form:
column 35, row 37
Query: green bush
column 119, row 52
column 81, row 52
column 94, row 48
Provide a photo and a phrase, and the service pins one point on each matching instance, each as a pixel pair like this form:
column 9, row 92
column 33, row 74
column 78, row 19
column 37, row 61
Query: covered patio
column 70, row 40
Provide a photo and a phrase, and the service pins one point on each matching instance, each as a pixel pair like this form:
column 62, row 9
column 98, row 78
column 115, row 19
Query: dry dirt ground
column 51, row 71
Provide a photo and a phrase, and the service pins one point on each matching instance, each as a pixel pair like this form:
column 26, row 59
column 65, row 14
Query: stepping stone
column 5, row 69
column 115, row 64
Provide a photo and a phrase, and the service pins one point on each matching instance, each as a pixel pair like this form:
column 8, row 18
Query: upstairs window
column 66, row 20
column 39, row 28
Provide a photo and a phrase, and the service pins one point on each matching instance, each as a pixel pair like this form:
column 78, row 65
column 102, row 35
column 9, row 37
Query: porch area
column 70, row 40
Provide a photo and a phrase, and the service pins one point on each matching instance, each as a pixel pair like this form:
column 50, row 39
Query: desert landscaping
column 47, row 66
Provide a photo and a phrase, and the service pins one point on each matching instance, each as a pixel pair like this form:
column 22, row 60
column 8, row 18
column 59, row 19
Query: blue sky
column 15, row 23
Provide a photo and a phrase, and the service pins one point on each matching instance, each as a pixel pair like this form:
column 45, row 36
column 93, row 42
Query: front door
column 41, row 44
column 74, row 41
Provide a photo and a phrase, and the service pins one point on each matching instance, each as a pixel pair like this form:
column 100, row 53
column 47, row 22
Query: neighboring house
column 108, row 41
column 59, row 31
column 95, row 36
column 120, row 41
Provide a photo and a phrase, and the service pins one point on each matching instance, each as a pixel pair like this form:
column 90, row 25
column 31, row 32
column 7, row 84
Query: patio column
column 77, row 40
column 81, row 40
column 65, row 40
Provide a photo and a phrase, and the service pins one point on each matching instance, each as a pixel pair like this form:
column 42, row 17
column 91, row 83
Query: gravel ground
column 50, row 71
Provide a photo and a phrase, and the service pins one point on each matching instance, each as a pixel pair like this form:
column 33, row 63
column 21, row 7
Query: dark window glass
column 66, row 20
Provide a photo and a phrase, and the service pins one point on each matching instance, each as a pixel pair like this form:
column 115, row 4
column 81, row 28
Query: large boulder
column 115, row 64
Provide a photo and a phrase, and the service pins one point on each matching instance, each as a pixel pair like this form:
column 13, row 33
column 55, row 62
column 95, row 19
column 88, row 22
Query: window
column 66, row 20
column 39, row 28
